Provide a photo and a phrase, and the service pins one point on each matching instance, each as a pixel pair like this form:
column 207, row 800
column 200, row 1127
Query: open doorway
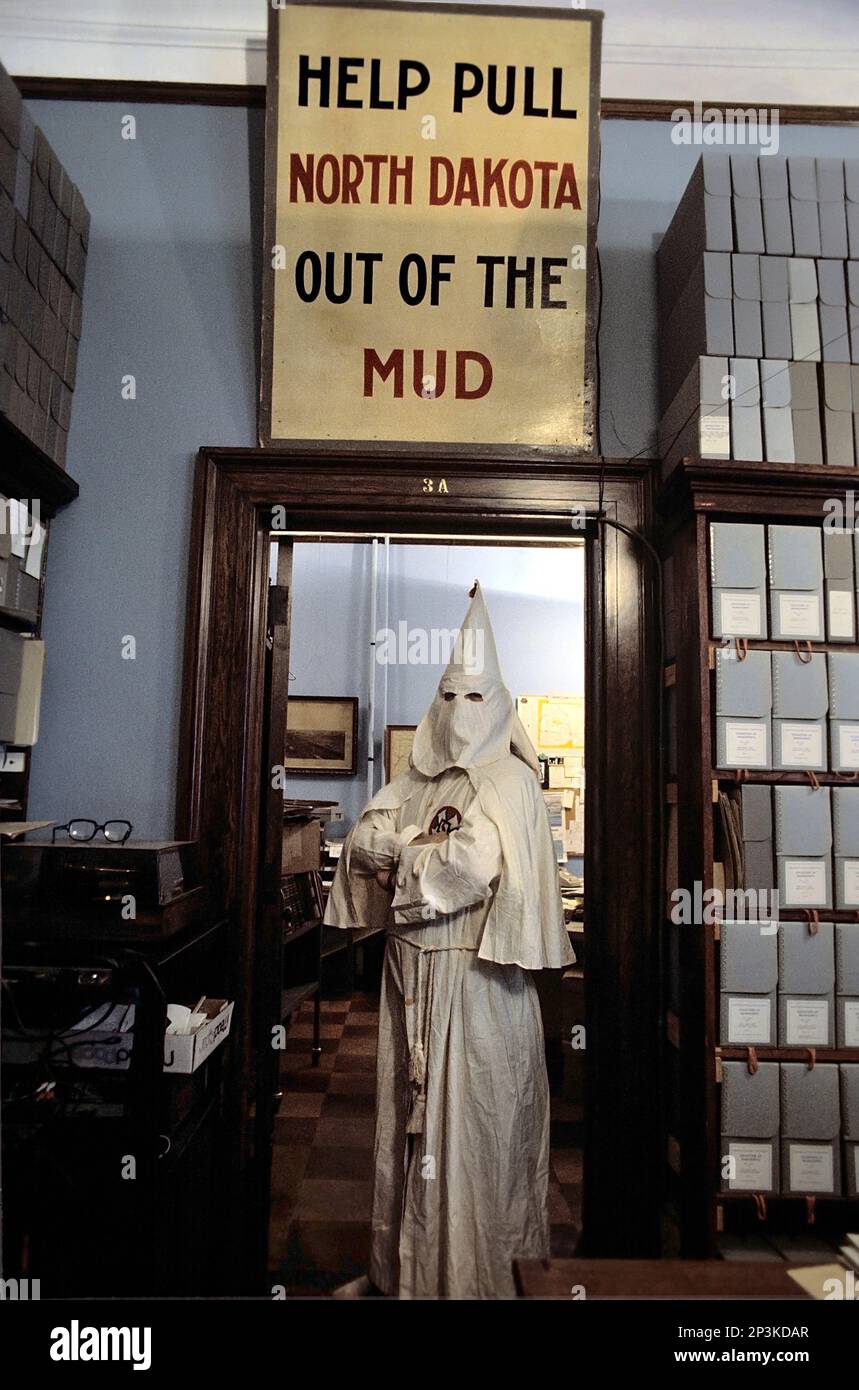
column 237, row 645
column 372, row 621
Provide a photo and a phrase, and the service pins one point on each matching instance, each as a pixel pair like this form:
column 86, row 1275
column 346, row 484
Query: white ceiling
column 762, row 51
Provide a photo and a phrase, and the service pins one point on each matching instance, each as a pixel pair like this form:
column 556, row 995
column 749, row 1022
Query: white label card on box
column 715, row 434
column 749, row 1020
column 841, row 623
column 811, row 1168
column 740, row 613
column 745, row 744
column 801, row 745
column 805, row 883
column 850, row 883
column 807, row 1022
column 799, row 615
column 753, row 1166
column 848, row 746
column 851, row 1022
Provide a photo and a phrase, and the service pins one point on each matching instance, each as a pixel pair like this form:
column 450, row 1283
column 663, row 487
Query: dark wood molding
column 25, row 471
column 253, row 96
column 119, row 89
column 637, row 109
column 711, row 486
column 221, row 788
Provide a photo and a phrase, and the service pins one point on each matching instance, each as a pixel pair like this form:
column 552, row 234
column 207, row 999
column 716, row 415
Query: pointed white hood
column 460, row 732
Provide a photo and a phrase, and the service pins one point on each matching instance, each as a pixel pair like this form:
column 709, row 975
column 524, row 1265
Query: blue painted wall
column 535, row 600
column 171, row 296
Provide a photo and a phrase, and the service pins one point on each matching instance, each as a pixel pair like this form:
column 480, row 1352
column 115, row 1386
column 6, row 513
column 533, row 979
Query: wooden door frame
column 220, row 789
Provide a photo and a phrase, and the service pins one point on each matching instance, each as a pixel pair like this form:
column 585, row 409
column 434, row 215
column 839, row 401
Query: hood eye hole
column 474, row 695
column 449, row 695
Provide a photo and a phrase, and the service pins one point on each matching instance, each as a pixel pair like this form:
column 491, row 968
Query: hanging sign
column 431, row 196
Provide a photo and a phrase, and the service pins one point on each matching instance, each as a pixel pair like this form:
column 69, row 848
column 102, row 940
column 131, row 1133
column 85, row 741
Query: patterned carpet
column 323, row 1150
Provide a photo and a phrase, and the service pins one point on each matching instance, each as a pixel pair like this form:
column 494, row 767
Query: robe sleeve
column 439, row 879
column 356, row 900
column 376, row 843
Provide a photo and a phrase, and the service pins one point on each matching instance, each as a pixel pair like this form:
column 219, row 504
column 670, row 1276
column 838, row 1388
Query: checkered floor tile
column 323, row 1150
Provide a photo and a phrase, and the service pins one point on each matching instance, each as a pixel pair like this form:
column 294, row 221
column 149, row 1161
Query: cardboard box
column 847, row 959
column 847, row 1021
column 750, row 1127
column 746, row 437
column 301, row 846
column 806, row 1020
column 746, row 196
column 703, row 221
column 697, row 422
column 805, row 405
column 743, row 710
column 804, row 215
column 850, row 1126
column 832, row 311
column 800, row 704
column 109, row 1048
column 738, row 576
column 757, row 836
column 844, row 710
column 775, row 206
column 810, row 1126
column 839, row 588
column 837, row 396
column 747, row 1020
column 795, row 558
column 803, row 845
column 831, row 207
column 851, row 195
column 746, row 280
column 700, row 325
column 804, row 320
column 776, row 413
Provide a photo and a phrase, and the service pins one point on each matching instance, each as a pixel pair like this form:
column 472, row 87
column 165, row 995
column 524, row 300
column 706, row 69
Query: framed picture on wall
column 398, row 746
column 321, row 737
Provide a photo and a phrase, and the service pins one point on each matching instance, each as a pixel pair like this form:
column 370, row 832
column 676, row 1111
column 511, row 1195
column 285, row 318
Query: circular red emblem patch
column 446, row 819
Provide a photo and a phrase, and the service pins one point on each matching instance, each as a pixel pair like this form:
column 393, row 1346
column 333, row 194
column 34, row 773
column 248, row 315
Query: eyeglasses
column 116, row 831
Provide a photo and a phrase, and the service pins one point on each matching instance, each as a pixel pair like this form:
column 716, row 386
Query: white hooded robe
column 461, row 1147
